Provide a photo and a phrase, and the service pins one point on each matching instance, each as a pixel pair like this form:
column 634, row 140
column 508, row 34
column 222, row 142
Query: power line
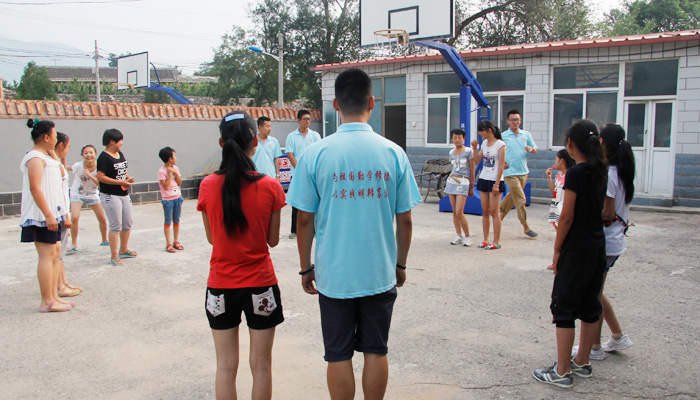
column 54, row 3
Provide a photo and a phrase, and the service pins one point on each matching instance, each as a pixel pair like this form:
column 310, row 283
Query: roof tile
column 107, row 110
column 664, row 37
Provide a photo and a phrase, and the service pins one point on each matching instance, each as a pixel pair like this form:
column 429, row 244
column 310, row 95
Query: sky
column 174, row 32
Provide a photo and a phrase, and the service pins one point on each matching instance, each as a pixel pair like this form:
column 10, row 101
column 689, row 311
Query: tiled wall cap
column 18, row 109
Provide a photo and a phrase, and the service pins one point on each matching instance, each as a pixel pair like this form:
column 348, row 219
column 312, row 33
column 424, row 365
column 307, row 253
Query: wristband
column 306, row 271
column 401, row 267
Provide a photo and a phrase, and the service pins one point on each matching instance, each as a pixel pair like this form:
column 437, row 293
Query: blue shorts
column 85, row 201
column 172, row 209
column 360, row 324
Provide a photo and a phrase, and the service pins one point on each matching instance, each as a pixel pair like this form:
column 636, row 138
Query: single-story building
column 649, row 83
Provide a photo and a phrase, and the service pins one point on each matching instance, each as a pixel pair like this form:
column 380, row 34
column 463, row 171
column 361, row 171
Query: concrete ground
column 468, row 324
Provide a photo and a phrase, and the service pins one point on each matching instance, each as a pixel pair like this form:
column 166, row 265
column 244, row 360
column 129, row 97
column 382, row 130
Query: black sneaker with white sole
column 550, row 376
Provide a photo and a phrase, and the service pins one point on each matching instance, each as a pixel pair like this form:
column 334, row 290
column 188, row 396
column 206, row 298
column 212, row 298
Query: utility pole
column 280, row 73
column 97, row 73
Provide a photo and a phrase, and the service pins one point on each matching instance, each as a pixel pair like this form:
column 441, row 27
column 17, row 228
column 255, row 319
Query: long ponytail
column 237, row 131
column 583, row 134
column 485, row 125
column 619, row 153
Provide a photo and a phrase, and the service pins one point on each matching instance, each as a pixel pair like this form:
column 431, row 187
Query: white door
column 650, row 128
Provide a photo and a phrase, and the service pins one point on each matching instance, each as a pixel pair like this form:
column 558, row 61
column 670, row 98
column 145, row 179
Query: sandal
column 128, row 254
column 105, row 243
column 484, row 245
column 71, row 250
column 493, row 247
column 178, row 246
column 74, row 287
column 169, row 248
column 65, row 291
column 49, row 309
column 116, row 261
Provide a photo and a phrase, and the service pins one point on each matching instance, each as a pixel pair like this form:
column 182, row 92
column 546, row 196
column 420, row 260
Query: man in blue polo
column 518, row 144
column 267, row 153
column 297, row 142
column 349, row 188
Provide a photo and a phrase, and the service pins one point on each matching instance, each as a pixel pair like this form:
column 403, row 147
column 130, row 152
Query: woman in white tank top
column 43, row 205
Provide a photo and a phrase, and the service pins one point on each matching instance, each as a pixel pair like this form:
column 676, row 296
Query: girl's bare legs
column 485, row 214
column 226, row 344
column 101, row 218
column 455, row 221
column 495, row 203
column 609, row 317
column 460, row 220
column 176, row 233
column 74, row 217
column 44, row 273
column 261, row 362
column 56, row 268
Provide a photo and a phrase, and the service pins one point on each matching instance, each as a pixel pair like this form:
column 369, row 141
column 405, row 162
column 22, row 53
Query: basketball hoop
column 129, row 85
column 391, row 37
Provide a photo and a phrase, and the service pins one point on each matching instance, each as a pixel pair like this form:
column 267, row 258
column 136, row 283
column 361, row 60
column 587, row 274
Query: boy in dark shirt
column 114, row 184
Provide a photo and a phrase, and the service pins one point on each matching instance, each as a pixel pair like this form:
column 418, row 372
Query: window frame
column 449, row 97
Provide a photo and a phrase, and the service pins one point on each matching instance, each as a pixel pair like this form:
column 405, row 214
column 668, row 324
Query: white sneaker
column 598, row 355
column 457, row 240
column 467, row 242
column 620, row 344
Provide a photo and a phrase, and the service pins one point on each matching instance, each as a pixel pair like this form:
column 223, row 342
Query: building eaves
column 645, row 39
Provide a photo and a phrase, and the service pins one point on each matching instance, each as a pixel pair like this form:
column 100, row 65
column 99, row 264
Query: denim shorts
column 172, row 210
column 84, row 201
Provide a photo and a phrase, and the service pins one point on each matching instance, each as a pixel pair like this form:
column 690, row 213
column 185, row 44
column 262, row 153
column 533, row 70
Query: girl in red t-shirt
column 241, row 213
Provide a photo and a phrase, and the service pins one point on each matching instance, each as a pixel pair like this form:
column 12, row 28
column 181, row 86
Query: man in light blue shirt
column 268, row 152
column 518, row 144
column 349, row 188
column 297, row 142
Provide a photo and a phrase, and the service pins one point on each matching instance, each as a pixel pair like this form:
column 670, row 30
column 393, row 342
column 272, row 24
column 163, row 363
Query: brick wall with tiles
column 191, row 130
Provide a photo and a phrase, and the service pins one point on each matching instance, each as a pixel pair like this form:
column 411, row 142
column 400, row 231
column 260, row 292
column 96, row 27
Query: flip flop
column 493, row 247
column 116, row 261
column 170, row 249
column 531, row 234
column 106, row 243
column 128, row 254
column 178, row 246
column 65, row 291
column 74, row 287
column 484, row 245
column 71, row 250
column 49, row 309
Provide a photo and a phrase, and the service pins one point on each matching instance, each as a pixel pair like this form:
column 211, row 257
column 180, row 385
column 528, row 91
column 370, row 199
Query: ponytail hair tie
column 591, row 132
column 621, row 140
column 234, row 117
column 36, row 121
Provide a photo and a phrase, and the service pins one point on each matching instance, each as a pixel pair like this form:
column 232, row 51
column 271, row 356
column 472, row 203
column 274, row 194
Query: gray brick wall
column 142, row 192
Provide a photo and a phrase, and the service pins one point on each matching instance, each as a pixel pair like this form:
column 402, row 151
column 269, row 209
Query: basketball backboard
column 421, row 19
column 133, row 70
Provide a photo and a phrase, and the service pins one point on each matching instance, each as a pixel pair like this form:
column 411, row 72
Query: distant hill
column 42, row 53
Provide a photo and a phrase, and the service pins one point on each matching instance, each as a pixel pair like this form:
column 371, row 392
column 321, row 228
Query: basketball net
column 391, row 43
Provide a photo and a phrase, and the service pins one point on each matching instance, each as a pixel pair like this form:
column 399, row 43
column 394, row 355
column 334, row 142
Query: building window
column 586, row 76
column 501, row 81
column 583, row 91
column 651, row 78
column 389, row 115
column 599, row 107
column 504, row 90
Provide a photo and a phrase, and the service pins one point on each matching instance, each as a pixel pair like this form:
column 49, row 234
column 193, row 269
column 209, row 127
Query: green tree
column 156, row 96
column 80, row 90
column 652, row 16
column 508, row 22
column 35, row 84
column 113, row 58
column 315, row 32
